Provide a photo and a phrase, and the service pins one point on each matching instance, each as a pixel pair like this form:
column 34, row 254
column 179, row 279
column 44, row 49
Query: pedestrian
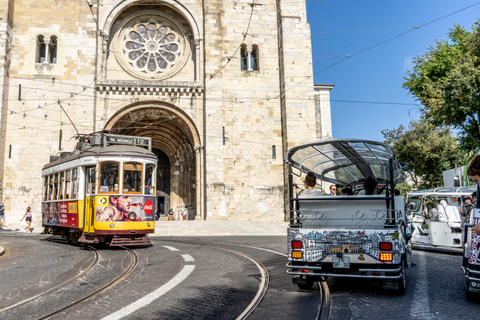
column 2, row 214
column 184, row 213
column 28, row 219
column 170, row 215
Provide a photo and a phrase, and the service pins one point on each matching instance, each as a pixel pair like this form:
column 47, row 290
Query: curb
column 444, row 250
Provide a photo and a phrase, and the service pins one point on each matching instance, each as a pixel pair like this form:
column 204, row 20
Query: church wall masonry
column 223, row 121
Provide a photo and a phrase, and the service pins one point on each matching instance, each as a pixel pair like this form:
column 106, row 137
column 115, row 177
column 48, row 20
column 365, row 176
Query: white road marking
column 182, row 275
column 187, row 257
column 420, row 308
column 171, row 248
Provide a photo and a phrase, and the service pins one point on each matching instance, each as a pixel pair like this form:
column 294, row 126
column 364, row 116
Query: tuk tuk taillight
column 386, row 246
column 297, row 254
column 386, row 256
column 297, row 244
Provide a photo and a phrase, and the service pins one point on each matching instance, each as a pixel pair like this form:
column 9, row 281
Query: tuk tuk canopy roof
column 444, row 192
column 346, row 162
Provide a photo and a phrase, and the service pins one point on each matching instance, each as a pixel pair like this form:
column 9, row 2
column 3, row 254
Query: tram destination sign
column 135, row 141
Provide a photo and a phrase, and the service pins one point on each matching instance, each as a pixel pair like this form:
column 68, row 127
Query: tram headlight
column 148, row 224
column 132, row 216
column 112, row 225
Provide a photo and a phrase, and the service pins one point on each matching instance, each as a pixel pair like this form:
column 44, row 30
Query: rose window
column 153, row 48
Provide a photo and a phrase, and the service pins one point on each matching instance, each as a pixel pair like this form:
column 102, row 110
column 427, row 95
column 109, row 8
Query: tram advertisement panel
column 124, row 208
column 475, row 240
column 64, row 214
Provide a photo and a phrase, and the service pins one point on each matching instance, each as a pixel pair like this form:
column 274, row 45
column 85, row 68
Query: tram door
column 90, row 200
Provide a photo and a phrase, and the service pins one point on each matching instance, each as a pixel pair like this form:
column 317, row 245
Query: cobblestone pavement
column 434, row 291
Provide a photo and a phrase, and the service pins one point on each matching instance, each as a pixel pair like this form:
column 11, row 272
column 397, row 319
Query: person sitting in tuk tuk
column 347, row 191
column 369, row 186
column 310, row 192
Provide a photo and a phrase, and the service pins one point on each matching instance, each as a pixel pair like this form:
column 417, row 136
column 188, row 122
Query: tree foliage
column 425, row 151
column 446, row 80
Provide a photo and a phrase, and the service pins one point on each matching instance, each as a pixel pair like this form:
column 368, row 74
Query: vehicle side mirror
column 412, row 205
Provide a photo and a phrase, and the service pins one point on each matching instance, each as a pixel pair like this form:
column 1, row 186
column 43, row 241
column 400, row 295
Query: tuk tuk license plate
column 343, row 262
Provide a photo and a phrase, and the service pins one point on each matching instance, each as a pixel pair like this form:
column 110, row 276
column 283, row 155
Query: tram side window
column 109, row 177
column 50, row 187
column 61, row 190
column 149, row 179
column 132, row 177
column 45, row 188
column 68, row 185
column 74, row 183
column 55, row 187
column 91, row 180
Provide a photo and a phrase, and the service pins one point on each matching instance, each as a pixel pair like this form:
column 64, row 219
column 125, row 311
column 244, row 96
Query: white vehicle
column 435, row 216
column 359, row 236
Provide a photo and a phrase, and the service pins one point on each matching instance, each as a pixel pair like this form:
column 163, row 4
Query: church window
column 249, row 58
column 46, row 51
column 52, row 50
column 152, row 47
column 41, row 50
column 243, row 57
column 254, row 58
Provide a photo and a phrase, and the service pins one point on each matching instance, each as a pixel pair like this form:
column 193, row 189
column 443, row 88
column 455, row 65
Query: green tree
column 425, row 151
column 446, row 80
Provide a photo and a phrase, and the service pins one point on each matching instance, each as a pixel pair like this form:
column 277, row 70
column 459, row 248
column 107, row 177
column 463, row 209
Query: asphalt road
column 208, row 278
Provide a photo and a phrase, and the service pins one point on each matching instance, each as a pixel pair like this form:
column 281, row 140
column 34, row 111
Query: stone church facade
column 223, row 88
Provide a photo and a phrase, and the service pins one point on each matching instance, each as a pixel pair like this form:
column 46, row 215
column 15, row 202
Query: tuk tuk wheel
column 469, row 295
column 402, row 282
column 309, row 285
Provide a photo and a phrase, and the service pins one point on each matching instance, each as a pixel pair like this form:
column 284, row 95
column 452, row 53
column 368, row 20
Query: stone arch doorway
column 176, row 142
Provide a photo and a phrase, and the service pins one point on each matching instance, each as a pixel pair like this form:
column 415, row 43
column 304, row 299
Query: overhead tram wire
column 364, row 30
column 278, row 96
column 378, row 44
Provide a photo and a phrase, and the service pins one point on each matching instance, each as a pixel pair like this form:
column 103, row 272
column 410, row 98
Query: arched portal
column 175, row 141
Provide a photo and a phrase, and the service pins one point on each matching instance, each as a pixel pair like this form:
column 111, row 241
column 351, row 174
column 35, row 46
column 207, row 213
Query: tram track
column 133, row 264
column 325, row 301
column 95, row 261
column 323, row 311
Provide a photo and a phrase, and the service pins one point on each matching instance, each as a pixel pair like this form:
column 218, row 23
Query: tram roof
column 109, row 151
column 345, row 161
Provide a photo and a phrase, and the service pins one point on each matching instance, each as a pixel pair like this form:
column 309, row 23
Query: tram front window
column 91, row 185
column 132, row 177
column 149, row 179
column 109, row 177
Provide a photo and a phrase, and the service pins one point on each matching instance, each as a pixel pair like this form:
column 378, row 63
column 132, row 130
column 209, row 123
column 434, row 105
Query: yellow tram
column 103, row 192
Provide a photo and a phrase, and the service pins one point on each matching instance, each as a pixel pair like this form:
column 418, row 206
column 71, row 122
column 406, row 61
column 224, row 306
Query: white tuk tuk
column 435, row 216
column 358, row 236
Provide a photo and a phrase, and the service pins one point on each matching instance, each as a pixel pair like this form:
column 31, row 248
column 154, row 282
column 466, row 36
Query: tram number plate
column 343, row 262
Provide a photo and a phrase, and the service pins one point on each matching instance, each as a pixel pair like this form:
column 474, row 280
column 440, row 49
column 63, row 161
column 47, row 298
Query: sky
column 368, row 96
